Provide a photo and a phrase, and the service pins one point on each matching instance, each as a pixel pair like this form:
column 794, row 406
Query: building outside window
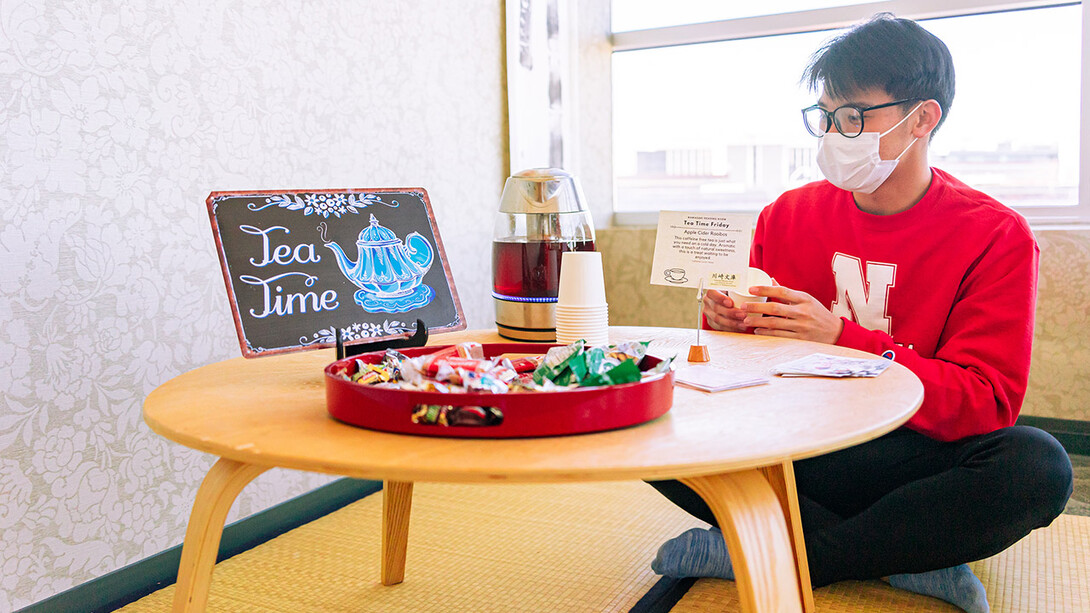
column 706, row 100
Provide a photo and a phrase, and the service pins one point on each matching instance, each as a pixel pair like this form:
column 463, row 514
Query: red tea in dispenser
column 530, row 270
column 542, row 215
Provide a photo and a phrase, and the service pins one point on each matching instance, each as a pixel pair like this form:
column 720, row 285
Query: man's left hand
column 791, row 314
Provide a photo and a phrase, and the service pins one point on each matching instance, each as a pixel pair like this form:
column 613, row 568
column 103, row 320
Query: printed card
column 702, row 245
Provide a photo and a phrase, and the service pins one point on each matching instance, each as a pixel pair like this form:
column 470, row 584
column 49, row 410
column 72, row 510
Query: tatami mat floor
column 474, row 548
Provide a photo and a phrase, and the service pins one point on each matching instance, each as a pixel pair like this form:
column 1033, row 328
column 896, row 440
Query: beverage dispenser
column 542, row 214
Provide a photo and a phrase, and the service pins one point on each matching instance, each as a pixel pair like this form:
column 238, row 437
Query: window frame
column 826, row 19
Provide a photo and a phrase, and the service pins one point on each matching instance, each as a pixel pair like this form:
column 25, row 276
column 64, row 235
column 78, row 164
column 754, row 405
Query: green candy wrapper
column 576, row 364
column 625, row 372
column 595, row 358
column 556, row 365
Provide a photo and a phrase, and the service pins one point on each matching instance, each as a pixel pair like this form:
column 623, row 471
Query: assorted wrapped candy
column 463, row 368
column 579, row 365
column 448, row 415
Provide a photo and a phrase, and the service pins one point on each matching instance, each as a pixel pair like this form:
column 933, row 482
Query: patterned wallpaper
column 117, row 120
column 1059, row 378
column 1059, row 383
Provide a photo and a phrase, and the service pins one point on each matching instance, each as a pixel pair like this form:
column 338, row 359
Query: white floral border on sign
column 317, row 203
column 323, row 204
column 357, row 331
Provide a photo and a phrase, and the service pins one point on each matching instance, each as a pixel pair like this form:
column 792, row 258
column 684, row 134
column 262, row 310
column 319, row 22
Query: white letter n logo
column 863, row 299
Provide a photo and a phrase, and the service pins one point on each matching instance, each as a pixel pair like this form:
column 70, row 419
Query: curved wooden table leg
column 397, row 500
column 782, row 479
column 752, row 521
column 218, row 491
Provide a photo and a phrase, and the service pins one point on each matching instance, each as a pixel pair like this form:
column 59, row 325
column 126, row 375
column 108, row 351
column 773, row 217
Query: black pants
column 905, row 503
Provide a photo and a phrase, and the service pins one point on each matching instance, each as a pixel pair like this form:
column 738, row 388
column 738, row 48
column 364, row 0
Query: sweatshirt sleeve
column 976, row 381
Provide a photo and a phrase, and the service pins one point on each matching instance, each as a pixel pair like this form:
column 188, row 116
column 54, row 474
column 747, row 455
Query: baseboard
column 1073, row 434
column 131, row 583
column 662, row 596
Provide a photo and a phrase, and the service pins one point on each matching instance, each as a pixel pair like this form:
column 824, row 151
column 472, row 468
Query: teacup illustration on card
column 675, row 275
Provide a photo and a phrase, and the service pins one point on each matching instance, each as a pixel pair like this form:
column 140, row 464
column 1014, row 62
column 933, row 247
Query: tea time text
column 274, row 299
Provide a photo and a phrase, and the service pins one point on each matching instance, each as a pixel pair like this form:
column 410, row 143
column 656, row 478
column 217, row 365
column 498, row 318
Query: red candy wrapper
column 431, row 358
column 521, row 365
column 470, row 364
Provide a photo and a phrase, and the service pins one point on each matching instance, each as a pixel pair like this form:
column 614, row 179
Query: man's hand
column 794, row 314
column 720, row 312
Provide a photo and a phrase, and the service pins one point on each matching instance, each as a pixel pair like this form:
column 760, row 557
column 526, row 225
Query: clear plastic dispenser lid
column 542, row 190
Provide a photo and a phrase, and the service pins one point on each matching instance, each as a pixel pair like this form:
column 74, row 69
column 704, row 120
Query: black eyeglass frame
column 830, row 116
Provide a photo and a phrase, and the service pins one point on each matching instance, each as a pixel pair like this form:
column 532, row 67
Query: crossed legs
column 904, row 503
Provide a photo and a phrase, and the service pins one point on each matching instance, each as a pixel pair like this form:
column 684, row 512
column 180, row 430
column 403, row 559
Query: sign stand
column 418, row 339
column 698, row 352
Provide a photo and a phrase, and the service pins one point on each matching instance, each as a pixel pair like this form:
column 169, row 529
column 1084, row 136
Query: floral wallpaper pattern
column 117, row 120
column 1059, row 377
column 1059, row 384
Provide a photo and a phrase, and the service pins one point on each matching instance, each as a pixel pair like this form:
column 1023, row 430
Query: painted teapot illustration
column 388, row 272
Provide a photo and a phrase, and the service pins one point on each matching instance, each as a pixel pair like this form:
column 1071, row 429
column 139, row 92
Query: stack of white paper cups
column 581, row 309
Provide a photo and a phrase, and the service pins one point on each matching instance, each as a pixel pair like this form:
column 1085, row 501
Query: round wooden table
column 734, row 448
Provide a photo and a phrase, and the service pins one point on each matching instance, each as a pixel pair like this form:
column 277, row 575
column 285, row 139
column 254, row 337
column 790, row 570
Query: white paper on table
column 825, row 365
column 690, row 246
column 713, row 379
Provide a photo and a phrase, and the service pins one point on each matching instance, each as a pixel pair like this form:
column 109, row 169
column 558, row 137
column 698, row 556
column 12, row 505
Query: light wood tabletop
column 734, row 448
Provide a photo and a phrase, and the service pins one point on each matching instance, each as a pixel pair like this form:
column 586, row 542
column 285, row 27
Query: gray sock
column 696, row 553
column 956, row 585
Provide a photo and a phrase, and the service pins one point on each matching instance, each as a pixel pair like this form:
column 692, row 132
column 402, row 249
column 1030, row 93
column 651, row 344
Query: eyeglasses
column 848, row 119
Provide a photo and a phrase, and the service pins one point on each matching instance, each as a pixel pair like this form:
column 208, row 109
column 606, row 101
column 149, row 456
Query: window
column 706, row 115
column 631, row 15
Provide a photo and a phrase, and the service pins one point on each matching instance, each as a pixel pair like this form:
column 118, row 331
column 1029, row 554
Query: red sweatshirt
column 949, row 286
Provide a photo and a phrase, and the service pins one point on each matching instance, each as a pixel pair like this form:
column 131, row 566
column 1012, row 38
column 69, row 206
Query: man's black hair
column 886, row 53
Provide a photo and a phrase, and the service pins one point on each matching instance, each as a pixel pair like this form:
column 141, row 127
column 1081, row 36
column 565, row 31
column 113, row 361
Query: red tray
column 525, row 414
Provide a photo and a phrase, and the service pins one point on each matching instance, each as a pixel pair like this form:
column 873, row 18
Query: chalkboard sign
column 302, row 265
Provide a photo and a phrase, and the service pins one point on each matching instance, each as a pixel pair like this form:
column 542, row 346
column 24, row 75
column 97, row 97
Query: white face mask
column 853, row 163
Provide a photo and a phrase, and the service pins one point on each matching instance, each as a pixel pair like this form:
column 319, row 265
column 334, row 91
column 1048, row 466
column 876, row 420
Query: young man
column 895, row 258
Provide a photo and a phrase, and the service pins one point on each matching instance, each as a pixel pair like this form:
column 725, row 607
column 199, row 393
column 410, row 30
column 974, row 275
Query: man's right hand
column 720, row 313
